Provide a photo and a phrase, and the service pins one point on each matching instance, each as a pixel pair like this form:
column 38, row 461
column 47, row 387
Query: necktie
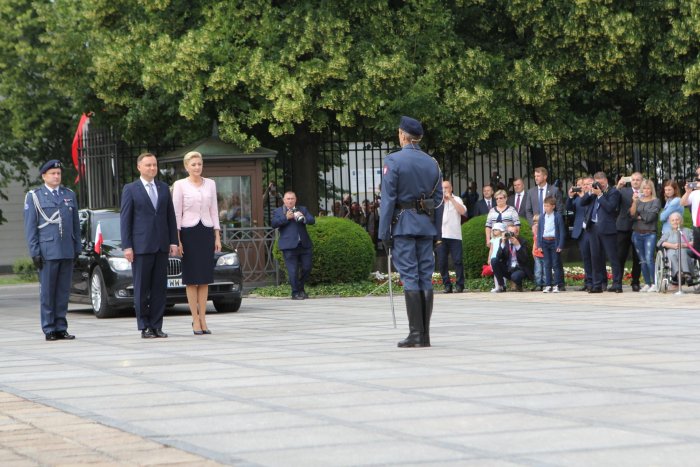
column 152, row 194
column 594, row 217
column 517, row 202
column 488, row 203
column 55, row 194
column 541, row 200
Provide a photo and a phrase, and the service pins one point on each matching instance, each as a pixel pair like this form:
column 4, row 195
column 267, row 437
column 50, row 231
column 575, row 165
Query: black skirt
column 198, row 257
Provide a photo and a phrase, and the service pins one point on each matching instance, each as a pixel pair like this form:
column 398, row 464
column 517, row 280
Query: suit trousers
column 453, row 247
column 601, row 246
column 624, row 242
column 414, row 261
column 55, row 281
column 150, row 286
column 584, row 249
column 293, row 259
column 501, row 271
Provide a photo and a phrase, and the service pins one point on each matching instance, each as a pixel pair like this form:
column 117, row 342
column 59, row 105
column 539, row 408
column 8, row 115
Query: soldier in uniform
column 52, row 230
column 410, row 223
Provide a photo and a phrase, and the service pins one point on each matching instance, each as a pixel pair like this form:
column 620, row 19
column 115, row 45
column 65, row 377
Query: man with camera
column 624, row 225
column 512, row 260
column 291, row 221
column 579, row 232
column 603, row 204
column 691, row 198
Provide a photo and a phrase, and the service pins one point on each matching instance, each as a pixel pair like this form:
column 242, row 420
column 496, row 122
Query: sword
column 391, row 290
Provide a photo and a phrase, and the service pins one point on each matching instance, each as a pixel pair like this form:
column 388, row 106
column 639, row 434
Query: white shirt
column 452, row 220
column 694, row 199
column 549, row 229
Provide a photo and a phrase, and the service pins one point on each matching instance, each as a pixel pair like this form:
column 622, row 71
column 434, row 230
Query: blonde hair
column 649, row 183
column 501, row 193
column 191, row 155
column 535, row 218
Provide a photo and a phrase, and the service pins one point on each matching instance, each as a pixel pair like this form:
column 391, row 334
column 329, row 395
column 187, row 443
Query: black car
column 104, row 279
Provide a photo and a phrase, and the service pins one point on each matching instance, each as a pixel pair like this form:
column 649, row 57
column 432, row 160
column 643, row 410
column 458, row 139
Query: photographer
column 579, row 233
column 512, row 260
column 691, row 198
column 291, row 221
column 625, row 223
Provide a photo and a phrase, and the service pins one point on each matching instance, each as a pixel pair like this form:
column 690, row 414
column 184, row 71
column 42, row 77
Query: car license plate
column 174, row 283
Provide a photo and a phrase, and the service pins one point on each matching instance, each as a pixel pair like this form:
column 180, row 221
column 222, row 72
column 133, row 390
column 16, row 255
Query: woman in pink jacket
column 197, row 216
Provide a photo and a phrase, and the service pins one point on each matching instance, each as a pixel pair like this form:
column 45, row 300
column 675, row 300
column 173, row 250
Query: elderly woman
column 645, row 212
column 669, row 241
column 672, row 203
column 501, row 212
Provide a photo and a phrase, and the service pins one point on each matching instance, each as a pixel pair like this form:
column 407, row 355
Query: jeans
column 645, row 245
column 539, row 271
column 552, row 262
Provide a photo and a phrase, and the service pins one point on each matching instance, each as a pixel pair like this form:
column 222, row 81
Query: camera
column 694, row 185
column 508, row 235
column 576, row 189
column 298, row 215
column 596, row 185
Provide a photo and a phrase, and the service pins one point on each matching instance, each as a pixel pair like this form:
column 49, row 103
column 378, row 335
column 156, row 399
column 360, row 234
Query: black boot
column 427, row 313
column 414, row 310
column 448, row 286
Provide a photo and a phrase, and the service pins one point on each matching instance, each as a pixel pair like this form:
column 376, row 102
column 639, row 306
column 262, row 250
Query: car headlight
column 230, row 259
column 119, row 264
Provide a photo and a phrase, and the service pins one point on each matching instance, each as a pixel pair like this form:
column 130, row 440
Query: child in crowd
column 537, row 255
column 551, row 234
column 496, row 232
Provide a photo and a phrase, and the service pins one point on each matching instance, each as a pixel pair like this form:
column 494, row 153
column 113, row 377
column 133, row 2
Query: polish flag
column 79, row 145
column 98, row 240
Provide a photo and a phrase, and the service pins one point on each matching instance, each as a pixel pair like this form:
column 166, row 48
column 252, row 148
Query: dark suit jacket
column 533, row 195
column 559, row 230
column 624, row 220
column 523, row 255
column 292, row 232
column 607, row 212
column 481, row 207
column 143, row 228
column 523, row 202
column 574, row 205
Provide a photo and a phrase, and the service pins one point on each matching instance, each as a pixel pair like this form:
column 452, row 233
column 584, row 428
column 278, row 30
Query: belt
column 549, row 238
column 645, row 231
column 409, row 205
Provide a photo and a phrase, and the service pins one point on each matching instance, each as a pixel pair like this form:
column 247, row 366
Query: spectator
column 337, row 209
column 670, row 241
column 624, row 225
column 551, row 234
column 451, row 244
column 501, row 212
column 356, row 214
column 484, row 205
column 345, row 208
column 538, row 256
column 672, row 203
column 691, row 198
column 496, row 234
column 512, row 260
column 373, row 222
column 645, row 212
column 519, row 198
column 579, row 232
column 470, row 198
column 603, row 203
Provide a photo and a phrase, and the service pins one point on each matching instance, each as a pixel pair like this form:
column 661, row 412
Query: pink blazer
column 195, row 203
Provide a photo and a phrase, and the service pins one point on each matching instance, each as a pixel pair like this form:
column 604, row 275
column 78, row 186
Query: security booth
column 239, row 179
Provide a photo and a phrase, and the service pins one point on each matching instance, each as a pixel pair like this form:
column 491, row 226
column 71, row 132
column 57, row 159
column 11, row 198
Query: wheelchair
column 664, row 278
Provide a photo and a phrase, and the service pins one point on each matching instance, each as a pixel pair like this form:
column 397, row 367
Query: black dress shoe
column 595, row 290
column 147, row 334
column 618, row 290
column 63, row 335
column 448, row 289
column 297, row 296
column 615, row 289
column 459, row 289
column 51, row 336
column 159, row 333
column 635, row 287
column 304, row 295
column 584, row 289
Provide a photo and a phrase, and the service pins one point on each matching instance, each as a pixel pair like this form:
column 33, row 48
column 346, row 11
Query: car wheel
column 98, row 295
column 227, row 306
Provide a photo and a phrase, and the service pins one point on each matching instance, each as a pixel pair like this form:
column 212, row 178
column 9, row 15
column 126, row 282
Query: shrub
column 474, row 249
column 25, row 270
column 342, row 252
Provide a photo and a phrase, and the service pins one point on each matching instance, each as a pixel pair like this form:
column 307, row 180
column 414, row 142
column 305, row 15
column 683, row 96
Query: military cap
column 411, row 126
column 52, row 164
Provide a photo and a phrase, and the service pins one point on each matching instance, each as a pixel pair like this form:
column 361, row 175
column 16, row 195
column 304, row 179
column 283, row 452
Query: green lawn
column 11, row 279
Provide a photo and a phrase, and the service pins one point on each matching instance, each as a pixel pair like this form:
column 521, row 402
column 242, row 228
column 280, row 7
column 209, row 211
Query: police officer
column 52, row 230
column 410, row 223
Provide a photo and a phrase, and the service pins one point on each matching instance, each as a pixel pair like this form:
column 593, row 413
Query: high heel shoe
column 196, row 333
column 206, row 331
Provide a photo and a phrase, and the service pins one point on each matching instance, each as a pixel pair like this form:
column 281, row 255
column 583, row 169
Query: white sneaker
column 496, row 289
column 645, row 288
column 547, row 290
column 555, row 289
column 652, row 288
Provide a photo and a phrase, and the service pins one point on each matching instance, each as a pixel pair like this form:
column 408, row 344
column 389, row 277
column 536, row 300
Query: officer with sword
column 52, row 231
column 410, row 224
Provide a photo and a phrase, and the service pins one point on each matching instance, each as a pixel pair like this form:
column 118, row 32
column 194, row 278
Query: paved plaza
column 514, row 379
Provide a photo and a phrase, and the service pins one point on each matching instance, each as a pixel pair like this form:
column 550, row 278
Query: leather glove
column 388, row 243
column 38, row 262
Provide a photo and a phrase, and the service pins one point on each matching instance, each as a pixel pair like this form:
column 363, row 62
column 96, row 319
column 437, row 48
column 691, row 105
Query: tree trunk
column 304, row 147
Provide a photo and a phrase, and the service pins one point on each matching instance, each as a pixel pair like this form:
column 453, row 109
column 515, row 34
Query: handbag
column 486, row 270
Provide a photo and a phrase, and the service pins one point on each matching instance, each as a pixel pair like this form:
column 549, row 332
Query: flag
column 78, row 144
column 98, row 240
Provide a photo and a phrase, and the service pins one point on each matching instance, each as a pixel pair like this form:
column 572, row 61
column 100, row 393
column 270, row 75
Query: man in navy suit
column 291, row 221
column 52, row 230
column 484, row 205
column 149, row 234
column 579, row 233
column 603, row 203
column 519, row 197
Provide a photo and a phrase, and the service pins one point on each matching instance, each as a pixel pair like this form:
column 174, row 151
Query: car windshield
column 109, row 225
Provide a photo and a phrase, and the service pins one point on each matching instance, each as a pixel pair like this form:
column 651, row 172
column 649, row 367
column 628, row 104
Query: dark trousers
column 150, row 286
column 601, row 246
column 585, row 249
column 414, row 261
column 501, row 271
column 298, row 261
column 453, row 247
column 624, row 242
column 552, row 262
column 696, row 240
column 55, row 279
